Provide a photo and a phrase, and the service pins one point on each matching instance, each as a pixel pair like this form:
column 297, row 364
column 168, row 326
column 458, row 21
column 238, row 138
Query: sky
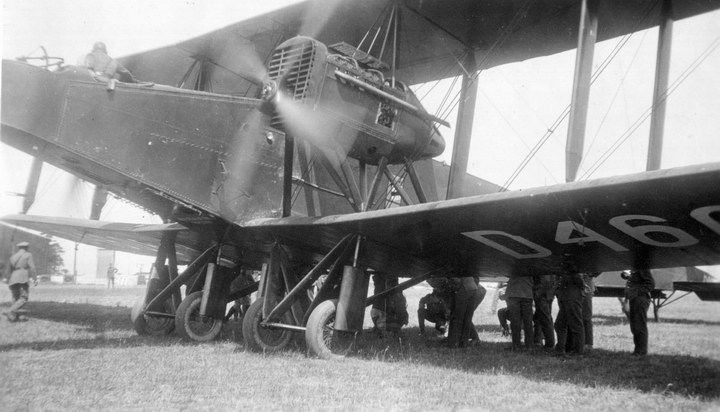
column 516, row 103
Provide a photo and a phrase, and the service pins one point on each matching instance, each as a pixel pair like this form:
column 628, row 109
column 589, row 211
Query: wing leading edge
column 139, row 239
column 659, row 219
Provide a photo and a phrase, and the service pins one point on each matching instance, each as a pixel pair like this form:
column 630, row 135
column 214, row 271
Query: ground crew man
column 519, row 297
column 19, row 272
column 640, row 285
column 543, row 295
column 436, row 307
column 568, row 324
column 468, row 297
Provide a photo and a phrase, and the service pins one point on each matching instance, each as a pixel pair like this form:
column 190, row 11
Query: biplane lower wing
column 665, row 218
column 704, row 290
column 661, row 219
column 141, row 239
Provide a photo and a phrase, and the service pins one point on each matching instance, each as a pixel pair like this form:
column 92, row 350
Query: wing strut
column 581, row 87
column 463, row 129
column 32, row 184
column 662, row 70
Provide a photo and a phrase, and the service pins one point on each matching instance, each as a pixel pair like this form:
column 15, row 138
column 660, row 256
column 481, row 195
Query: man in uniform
column 436, row 307
column 569, row 324
column 543, row 295
column 105, row 67
column 519, row 297
column 468, row 297
column 640, row 284
column 19, row 272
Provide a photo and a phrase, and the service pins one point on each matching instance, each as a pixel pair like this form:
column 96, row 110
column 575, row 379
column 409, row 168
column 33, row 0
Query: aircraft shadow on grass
column 622, row 320
column 681, row 374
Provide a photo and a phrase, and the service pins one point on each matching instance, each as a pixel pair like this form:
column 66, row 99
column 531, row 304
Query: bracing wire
column 566, row 112
column 646, row 114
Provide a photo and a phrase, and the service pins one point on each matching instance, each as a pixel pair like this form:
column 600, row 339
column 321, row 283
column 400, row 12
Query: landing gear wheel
column 322, row 339
column 263, row 339
column 190, row 325
column 148, row 324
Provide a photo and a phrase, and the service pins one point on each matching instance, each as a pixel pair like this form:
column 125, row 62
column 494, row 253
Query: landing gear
column 190, row 325
column 321, row 338
column 264, row 339
column 153, row 325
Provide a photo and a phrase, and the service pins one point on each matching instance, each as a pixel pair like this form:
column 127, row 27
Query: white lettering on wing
column 536, row 251
column 570, row 232
column 702, row 215
column 565, row 230
column 640, row 232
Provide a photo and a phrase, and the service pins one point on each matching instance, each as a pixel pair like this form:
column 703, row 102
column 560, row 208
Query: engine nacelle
column 331, row 100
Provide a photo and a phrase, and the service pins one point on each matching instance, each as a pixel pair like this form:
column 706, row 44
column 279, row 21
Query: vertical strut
column 393, row 181
column 662, row 70
column 415, row 180
column 581, row 88
column 287, row 176
column 463, row 130
column 32, row 184
column 382, row 164
column 311, row 198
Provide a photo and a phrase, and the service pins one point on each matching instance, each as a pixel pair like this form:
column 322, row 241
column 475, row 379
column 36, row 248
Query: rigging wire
column 646, row 114
column 566, row 112
column 612, row 101
column 499, row 41
column 505, row 119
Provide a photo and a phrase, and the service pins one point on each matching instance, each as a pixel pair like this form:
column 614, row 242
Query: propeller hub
column 269, row 90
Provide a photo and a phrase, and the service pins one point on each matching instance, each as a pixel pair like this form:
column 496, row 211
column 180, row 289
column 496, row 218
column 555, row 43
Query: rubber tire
column 319, row 334
column 150, row 325
column 262, row 339
column 189, row 312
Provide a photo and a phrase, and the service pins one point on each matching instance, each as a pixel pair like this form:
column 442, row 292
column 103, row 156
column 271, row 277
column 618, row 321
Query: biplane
column 292, row 144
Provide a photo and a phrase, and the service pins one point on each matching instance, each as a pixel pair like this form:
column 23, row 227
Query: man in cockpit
column 105, row 67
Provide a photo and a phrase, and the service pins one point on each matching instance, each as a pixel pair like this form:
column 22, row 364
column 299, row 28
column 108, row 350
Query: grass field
column 78, row 351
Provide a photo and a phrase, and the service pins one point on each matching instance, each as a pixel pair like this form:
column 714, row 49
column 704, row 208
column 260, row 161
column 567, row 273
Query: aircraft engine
column 339, row 102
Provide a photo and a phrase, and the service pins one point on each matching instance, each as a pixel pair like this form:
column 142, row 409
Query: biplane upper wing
column 142, row 239
column 433, row 35
column 665, row 218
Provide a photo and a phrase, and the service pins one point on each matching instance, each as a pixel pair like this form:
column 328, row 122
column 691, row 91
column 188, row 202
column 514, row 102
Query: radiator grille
column 292, row 65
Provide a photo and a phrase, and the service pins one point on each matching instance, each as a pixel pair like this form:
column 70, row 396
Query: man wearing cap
column 640, row 284
column 19, row 272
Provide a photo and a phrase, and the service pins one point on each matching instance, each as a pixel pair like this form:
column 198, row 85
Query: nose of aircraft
column 435, row 147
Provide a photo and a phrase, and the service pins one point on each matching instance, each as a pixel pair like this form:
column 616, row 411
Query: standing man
column 569, row 323
column 19, row 272
column 111, row 271
column 543, row 295
column 519, row 297
column 640, row 284
column 468, row 297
